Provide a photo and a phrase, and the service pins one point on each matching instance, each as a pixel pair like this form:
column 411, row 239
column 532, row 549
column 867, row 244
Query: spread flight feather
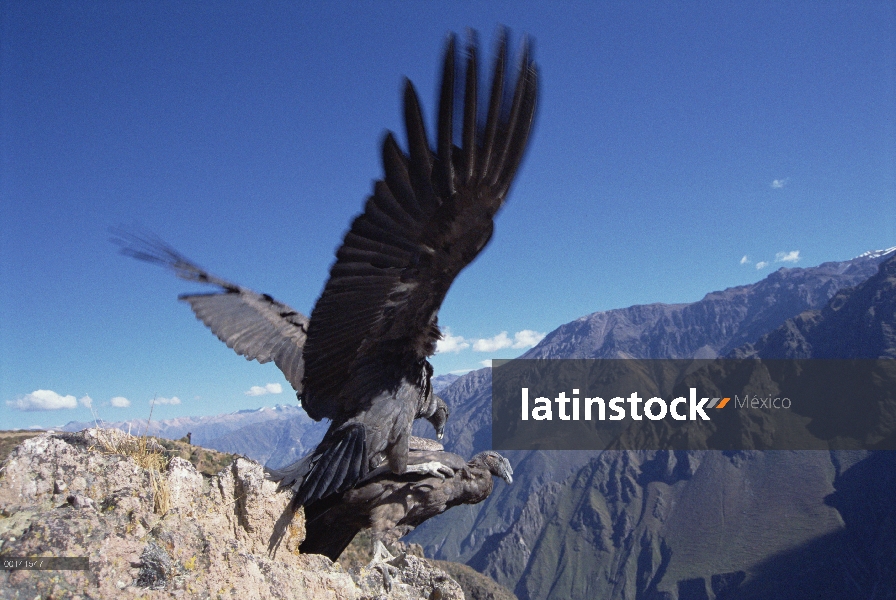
column 360, row 360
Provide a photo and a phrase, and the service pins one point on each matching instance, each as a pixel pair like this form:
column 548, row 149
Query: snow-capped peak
column 876, row 253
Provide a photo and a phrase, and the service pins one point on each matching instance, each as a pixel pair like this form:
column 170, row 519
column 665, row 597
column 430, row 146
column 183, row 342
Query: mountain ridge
column 515, row 536
column 713, row 326
column 500, row 541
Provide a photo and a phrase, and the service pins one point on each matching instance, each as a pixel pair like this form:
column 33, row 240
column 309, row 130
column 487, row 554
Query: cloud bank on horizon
column 780, row 257
column 48, row 400
column 456, row 343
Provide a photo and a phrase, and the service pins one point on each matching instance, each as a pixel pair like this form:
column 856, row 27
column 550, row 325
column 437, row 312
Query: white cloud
column 779, row 183
column 86, row 400
column 498, row 342
column 521, row 339
column 486, row 363
column 744, row 260
column 451, row 343
column 792, row 256
column 526, row 338
column 271, row 388
column 761, row 265
column 120, row 402
column 42, row 400
column 171, row 400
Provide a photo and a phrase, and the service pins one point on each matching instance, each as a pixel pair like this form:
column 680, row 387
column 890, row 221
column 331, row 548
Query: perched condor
column 391, row 505
column 361, row 359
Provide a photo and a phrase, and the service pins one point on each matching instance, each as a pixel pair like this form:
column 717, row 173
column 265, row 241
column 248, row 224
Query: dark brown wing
column 427, row 219
column 254, row 325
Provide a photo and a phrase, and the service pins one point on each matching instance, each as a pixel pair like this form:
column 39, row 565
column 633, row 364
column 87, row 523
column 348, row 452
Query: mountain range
column 645, row 525
column 277, row 435
column 672, row 524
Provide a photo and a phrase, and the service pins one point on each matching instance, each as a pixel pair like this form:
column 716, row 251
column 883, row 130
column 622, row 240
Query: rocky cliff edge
column 164, row 531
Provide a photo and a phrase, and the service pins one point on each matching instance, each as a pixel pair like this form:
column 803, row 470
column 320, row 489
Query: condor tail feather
column 336, row 465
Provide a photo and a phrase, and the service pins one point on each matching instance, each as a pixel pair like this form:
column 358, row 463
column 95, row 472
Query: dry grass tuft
column 146, row 452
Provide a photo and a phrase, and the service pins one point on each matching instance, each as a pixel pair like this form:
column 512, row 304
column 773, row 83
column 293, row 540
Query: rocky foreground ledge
column 168, row 532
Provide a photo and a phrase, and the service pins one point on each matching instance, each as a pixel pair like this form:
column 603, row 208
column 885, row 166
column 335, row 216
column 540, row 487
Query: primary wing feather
column 254, row 325
column 428, row 218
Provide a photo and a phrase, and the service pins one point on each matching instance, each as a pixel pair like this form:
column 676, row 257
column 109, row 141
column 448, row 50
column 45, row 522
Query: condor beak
column 508, row 471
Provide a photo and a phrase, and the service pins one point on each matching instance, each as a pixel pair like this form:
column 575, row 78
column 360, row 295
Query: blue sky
column 673, row 140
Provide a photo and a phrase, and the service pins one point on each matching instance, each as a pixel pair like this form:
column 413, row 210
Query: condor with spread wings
column 360, row 360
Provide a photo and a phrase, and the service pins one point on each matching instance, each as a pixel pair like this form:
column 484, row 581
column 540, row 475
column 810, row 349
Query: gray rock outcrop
column 168, row 533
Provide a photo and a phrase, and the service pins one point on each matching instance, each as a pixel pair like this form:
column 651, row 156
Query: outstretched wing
column 427, row 219
column 254, row 325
